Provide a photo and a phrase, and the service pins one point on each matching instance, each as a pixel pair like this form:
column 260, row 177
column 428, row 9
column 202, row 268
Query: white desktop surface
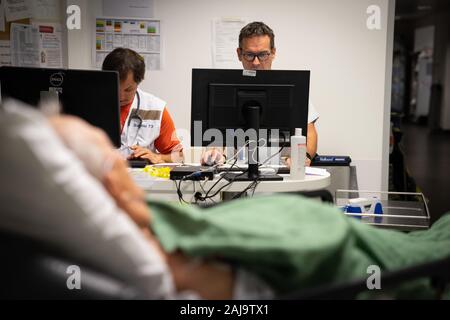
column 156, row 187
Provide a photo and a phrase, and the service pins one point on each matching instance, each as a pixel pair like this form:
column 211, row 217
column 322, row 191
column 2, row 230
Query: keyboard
column 137, row 163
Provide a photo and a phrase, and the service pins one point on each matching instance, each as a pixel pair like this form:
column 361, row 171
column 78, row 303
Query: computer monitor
column 227, row 102
column 89, row 94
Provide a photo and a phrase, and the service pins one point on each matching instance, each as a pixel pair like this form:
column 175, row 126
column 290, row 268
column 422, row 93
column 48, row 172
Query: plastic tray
column 405, row 211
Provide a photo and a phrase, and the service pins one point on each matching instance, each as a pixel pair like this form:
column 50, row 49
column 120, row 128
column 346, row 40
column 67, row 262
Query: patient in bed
column 63, row 184
column 74, row 192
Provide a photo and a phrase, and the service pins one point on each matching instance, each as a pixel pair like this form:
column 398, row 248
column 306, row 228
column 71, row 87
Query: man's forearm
column 311, row 143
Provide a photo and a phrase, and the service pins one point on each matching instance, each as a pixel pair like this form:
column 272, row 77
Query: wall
column 444, row 71
column 348, row 62
column 79, row 42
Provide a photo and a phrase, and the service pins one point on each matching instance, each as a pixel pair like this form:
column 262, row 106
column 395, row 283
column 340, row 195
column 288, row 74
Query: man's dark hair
column 257, row 29
column 123, row 61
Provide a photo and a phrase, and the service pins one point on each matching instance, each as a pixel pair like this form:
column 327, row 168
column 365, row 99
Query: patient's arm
column 94, row 149
column 210, row 280
column 128, row 196
column 92, row 146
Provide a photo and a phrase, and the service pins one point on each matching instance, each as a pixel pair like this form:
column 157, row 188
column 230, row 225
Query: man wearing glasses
column 256, row 52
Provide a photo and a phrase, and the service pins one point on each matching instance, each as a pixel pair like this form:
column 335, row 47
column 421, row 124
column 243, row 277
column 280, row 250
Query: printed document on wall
column 50, row 45
column 5, row 53
column 17, row 9
column 140, row 35
column 46, row 10
column 24, row 45
column 2, row 15
column 225, row 41
column 129, row 9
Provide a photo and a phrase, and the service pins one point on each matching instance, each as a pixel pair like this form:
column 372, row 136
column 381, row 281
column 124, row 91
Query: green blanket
column 294, row 243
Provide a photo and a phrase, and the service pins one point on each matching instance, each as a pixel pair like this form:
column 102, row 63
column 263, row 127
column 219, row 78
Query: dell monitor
column 264, row 107
column 88, row 94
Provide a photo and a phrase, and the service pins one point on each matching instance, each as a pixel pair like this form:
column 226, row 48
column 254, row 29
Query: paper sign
column 17, row 10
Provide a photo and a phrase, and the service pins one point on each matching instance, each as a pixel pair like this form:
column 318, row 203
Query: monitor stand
column 252, row 116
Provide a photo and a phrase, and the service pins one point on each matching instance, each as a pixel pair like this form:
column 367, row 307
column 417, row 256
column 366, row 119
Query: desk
column 158, row 188
column 342, row 178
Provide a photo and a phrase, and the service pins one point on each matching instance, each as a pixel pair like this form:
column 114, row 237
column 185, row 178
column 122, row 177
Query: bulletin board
column 140, row 35
column 31, row 33
column 5, row 43
column 5, row 35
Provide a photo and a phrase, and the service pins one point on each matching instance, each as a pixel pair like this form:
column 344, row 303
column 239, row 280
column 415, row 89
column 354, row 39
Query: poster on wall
column 50, row 45
column 17, row 9
column 225, row 33
column 46, row 10
column 38, row 45
column 130, row 8
column 2, row 15
column 5, row 53
column 140, row 35
column 24, row 45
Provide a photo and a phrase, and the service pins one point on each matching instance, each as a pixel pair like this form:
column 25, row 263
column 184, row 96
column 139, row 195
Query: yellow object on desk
column 159, row 172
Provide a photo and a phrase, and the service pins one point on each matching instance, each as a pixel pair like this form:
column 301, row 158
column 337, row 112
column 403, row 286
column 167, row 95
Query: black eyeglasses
column 262, row 56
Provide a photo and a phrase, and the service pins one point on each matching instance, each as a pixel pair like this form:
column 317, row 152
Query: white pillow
column 47, row 194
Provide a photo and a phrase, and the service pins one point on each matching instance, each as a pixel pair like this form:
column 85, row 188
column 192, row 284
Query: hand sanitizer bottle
column 298, row 155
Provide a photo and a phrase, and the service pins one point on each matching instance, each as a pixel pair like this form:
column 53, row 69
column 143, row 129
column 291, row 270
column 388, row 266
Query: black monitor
column 89, row 94
column 224, row 102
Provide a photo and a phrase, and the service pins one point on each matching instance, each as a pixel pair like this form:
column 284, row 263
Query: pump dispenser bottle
column 298, row 155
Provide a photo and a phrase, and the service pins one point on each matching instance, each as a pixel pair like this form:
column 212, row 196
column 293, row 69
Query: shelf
column 401, row 210
column 129, row 34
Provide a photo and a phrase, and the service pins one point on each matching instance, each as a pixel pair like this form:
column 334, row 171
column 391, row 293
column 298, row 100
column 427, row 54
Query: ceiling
column 413, row 9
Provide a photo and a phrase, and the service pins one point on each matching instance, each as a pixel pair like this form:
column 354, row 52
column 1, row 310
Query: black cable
column 226, row 185
column 203, row 189
column 179, row 192
column 180, row 195
column 196, row 174
column 198, row 195
column 254, row 188
column 193, row 185
column 253, row 185
column 256, row 182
